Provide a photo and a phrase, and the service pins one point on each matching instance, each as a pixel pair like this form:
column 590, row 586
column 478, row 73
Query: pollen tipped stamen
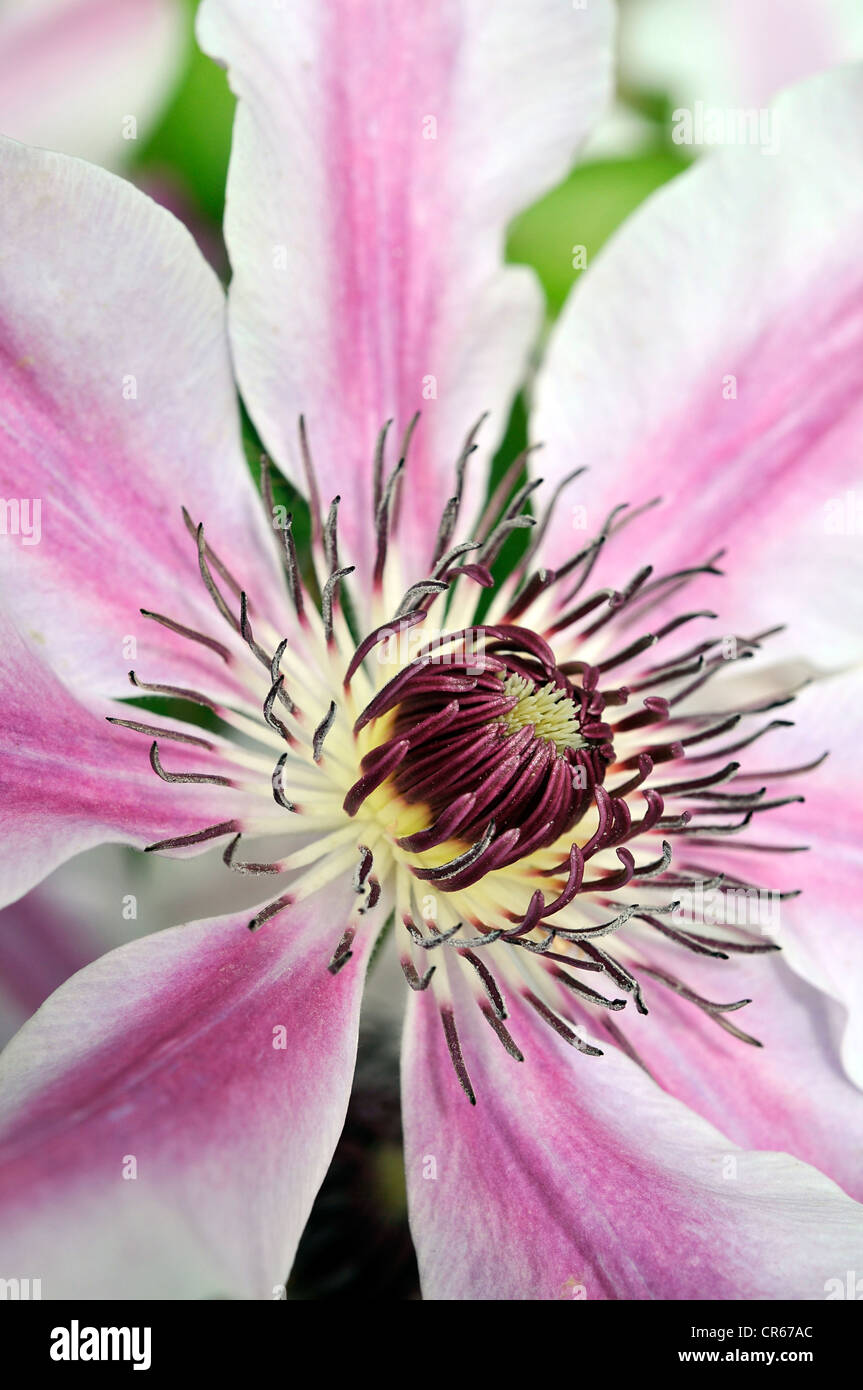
column 292, row 568
column 199, row 837
column 382, row 522
column 321, row 732
column 617, row 603
column 154, row 732
column 273, row 665
column 363, row 869
column 416, row 981
column 584, row 992
column 247, row 867
column 454, row 553
column 455, row 1052
column 500, row 508
column 537, row 948
column 797, row 771
column 210, row 584
column 664, row 586
column 277, row 780
column 690, row 786
column 417, row 593
column 311, row 478
column 211, row 778
column 545, row 519
column 451, row 510
column 211, row 557
column 655, row 867
column 272, row 910
column 714, row 1011
column 436, row 938
column 618, row 973
column 191, row 633
column 495, row 543
column 288, row 550
column 373, row 895
column 731, row 747
column 175, row 692
column 331, row 536
column 378, row 465
column 343, row 952
column 501, row 1031
column 562, row 1029
column 328, row 600
column 486, row 979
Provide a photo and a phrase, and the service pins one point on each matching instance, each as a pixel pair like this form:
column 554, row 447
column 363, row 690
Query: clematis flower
column 528, row 780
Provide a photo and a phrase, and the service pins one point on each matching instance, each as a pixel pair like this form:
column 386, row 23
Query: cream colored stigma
column 547, row 708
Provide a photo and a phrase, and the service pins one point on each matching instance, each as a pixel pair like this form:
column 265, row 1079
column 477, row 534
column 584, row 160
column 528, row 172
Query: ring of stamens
column 490, row 788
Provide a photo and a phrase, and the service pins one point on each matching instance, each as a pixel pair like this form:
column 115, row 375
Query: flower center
column 480, row 752
column 488, row 791
column 546, row 709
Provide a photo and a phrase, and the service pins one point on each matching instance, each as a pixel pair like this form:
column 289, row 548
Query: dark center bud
column 497, row 747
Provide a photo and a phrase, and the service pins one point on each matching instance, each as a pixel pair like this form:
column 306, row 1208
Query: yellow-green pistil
column 547, row 708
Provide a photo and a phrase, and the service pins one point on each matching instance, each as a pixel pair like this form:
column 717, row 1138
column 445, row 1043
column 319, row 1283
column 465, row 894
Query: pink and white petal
column 821, row 931
column 93, row 903
column 70, row 780
column 579, row 1177
column 42, row 943
column 713, row 355
column 74, row 73
column 102, row 899
column 379, row 152
column 786, row 1095
column 740, row 53
column 216, row 1064
column 117, row 408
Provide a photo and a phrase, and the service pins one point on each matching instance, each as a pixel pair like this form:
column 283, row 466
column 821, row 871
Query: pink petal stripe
column 117, row 408
column 168, row 1115
column 380, row 150
column 578, row 1177
column 713, row 356
column 786, row 1095
column 821, row 930
column 70, row 780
